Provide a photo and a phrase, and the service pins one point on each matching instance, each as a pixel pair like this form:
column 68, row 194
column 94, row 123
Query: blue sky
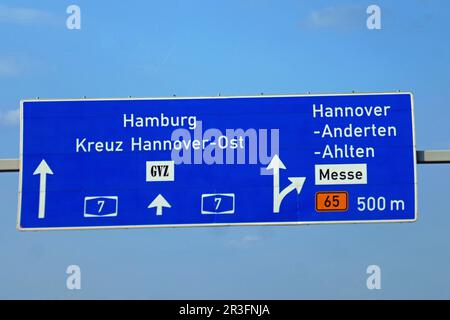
column 195, row 48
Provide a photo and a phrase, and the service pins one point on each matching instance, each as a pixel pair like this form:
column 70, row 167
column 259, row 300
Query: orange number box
column 332, row 201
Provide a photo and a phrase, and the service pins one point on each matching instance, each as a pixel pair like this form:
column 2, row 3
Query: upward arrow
column 43, row 170
column 276, row 164
column 159, row 202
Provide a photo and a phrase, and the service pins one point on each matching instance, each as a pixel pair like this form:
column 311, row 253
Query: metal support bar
column 423, row 157
column 9, row 165
column 430, row 157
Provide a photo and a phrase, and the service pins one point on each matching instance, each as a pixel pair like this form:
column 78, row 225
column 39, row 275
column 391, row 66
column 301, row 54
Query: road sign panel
column 264, row 160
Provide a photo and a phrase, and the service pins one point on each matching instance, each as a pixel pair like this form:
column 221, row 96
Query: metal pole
column 423, row 157
column 9, row 165
column 431, row 157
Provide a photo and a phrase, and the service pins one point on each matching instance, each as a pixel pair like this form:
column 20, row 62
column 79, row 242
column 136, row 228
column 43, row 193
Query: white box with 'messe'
column 338, row 174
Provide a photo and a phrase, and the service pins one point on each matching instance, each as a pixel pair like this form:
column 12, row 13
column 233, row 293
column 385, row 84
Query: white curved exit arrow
column 296, row 183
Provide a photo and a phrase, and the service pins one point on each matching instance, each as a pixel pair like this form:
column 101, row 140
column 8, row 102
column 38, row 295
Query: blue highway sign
column 215, row 161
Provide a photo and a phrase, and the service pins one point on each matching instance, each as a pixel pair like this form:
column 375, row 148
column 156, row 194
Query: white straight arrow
column 159, row 202
column 276, row 164
column 43, row 170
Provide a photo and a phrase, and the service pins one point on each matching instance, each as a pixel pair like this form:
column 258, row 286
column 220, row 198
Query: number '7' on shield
column 219, row 203
column 101, row 206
